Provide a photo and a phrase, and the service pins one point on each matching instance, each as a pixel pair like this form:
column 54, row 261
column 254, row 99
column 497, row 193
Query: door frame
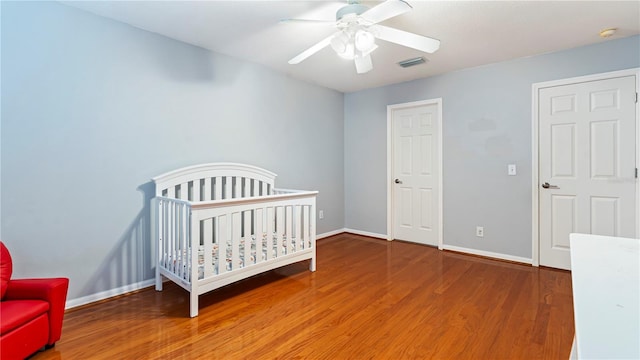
column 390, row 187
column 535, row 89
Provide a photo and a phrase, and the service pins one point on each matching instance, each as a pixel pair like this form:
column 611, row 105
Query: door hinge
column 636, row 97
column 636, row 173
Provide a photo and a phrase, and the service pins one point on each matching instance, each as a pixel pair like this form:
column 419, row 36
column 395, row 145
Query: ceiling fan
column 358, row 27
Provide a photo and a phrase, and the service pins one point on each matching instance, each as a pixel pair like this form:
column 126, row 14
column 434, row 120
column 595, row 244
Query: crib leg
column 193, row 308
column 312, row 264
column 158, row 282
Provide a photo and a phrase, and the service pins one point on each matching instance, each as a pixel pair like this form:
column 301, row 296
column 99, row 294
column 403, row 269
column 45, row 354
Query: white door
column 587, row 146
column 415, row 173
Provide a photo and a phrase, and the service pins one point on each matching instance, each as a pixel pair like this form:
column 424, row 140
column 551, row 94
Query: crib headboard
column 215, row 181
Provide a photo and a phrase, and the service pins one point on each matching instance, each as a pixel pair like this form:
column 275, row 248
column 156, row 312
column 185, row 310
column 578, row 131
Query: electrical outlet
column 321, row 214
column 479, row 231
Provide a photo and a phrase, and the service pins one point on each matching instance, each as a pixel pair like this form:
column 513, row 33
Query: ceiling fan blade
column 312, row 50
column 414, row 41
column 308, row 21
column 363, row 64
column 386, row 10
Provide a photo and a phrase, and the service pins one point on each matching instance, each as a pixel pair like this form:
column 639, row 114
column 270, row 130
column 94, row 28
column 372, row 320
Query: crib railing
column 211, row 239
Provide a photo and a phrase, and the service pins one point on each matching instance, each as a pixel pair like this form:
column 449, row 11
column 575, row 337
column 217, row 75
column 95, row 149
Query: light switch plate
column 511, row 168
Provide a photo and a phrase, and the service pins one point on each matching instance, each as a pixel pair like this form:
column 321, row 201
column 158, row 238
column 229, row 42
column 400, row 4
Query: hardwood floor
column 368, row 299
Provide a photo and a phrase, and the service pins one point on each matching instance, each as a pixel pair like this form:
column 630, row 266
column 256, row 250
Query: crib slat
column 247, row 238
column 254, row 188
column 259, row 228
column 207, row 189
column 184, row 241
column 177, row 231
column 237, row 187
column 171, row 237
column 169, row 230
column 223, row 232
column 218, row 189
column 165, row 243
column 279, row 229
column 227, row 188
column 305, row 227
column 174, row 234
column 263, row 188
column 297, row 217
column 177, row 227
column 235, row 240
column 270, row 232
column 208, row 246
column 289, row 227
column 196, row 190
column 215, row 241
column 245, row 187
column 184, row 191
column 192, row 239
column 171, row 192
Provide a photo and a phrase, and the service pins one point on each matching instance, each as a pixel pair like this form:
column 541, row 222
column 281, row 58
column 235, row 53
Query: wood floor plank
column 368, row 299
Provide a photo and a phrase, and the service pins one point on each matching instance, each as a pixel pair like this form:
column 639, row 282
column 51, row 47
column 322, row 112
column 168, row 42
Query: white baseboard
column 330, row 233
column 366, row 233
column 108, row 293
column 487, row 254
column 352, row 231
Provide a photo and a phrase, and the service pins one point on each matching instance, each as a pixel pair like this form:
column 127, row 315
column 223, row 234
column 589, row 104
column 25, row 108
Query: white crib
column 214, row 224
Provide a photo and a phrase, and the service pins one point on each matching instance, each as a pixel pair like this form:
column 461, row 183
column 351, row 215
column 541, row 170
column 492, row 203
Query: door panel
column 406, row 210
column 604, row 149
column 587, row 147
column 563, row 211
column 563, row 155
column 604, row 216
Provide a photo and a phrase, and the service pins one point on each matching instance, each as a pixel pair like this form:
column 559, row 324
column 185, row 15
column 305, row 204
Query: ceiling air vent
column 412, row 62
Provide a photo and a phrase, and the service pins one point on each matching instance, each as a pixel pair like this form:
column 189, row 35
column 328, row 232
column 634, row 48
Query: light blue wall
column 93, row 108
column 486, row 125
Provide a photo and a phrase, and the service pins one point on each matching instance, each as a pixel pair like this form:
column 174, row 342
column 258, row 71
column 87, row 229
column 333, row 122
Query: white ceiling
column 472, row 33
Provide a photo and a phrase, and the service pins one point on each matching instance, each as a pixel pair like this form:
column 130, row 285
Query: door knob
column 397, row 181
column 546, row 185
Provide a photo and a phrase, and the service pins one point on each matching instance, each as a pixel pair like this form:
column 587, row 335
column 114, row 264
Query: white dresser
column 605, row 273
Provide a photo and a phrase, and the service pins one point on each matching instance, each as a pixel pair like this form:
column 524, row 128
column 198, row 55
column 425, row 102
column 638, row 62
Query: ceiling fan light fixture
column 350, row 52
column 365, row 53
column 364, row 41
column 339, row 42
column 343, row 45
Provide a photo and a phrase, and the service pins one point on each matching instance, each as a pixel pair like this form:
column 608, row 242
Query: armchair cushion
column 6, row 268
column 16, row 313
column 51, row 290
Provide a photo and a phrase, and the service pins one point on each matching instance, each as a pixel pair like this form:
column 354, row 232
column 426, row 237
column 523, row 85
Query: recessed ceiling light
column 608, row 32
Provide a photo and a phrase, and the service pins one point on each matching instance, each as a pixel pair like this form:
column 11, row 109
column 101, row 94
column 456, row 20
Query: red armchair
column 31, row 311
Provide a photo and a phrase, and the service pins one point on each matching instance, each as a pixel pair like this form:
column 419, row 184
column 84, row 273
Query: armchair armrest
column 52, row 290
